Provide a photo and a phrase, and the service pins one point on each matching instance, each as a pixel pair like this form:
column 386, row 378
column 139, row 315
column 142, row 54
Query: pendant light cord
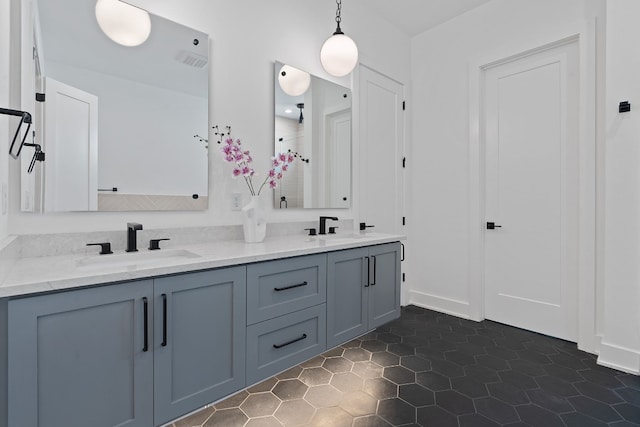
column 338, row 17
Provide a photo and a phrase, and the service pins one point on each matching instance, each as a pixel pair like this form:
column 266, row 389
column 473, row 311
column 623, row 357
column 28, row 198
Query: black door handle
column 492, row 225
column 374, row 271
column 368, row 271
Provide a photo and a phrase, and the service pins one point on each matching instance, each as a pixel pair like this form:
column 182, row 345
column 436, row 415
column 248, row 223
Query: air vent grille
column 192, row 59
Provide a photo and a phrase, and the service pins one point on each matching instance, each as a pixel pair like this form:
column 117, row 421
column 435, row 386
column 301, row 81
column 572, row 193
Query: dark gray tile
column 347, row 381
column 575, row 419
column 290, row 373
column 563, row 373
column 492, row 362
column 260, row 404
column 433, row 381
column 447, row 368
column 594, row 409
column 521, row 381
column 476, row 420
column 294, row 412
column 385, row 359
column 401, row 349
column 265, row 385
column 568, row 361
column 630, row 395
column 507, row 393
column 435, row 416
column 396, row 411
column 415, row 363
column 313, row 362
column 501, row 353
column 356, row 354
column 527, row 368
column 337, row 364
column 315, row 376
column 557, row 385
column 629, row 412
column 416, row 395
column 598, row 392
column 323, row 396
column 454, row 402
column 399, row 375
column 232, row 402
column 550, row 401
column 605, row 380
column 367, row 369
column 629, row 380
column 469, row 387
column 334, row 352
column 460, row 357
column 352, row 344
column 227, row 417
column 290, row 389
column 536, row 416
column 496, row 410
column 264, row 422
column 481, row 374
column 373, row 345
column 358, row 403
column 370, row 421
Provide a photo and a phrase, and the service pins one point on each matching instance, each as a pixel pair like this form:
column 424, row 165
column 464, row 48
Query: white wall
column 4, row 103
column 438, row 247
column 621, row 335
column 247, row 37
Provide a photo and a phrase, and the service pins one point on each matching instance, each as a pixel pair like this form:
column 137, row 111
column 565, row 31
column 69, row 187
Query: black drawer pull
column 164, row 320
column 374, row 271
column 368, row 271
column 290, row 287
column 145, row 314
column 290, row 342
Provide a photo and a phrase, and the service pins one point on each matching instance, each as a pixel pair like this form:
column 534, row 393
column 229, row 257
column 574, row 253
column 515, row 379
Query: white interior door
column 338, row 131
column 71, row 146
column 381, row 151
column 531, row 138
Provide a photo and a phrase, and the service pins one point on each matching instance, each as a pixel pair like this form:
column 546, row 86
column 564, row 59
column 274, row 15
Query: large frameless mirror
column 123, row 128
column 313, row 120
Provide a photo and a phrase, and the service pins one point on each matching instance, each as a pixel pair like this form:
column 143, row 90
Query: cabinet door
column 384, row 292
column 200, row 327
column 79, row 358
column 347, row 279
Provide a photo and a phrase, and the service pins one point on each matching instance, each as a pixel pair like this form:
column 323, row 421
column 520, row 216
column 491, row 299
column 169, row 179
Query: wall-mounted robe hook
column 624, row 107
column 25, row 118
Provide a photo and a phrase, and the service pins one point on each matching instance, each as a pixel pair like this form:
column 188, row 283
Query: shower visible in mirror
column 118, row 123
column 314, row 124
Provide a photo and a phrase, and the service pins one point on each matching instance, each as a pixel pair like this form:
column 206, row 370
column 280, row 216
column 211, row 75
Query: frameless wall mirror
column 123, row 128
column 313, row 120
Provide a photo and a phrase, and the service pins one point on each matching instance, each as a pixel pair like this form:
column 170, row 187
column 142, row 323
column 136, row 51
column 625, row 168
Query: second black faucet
column 323, row 223
column 132, row 240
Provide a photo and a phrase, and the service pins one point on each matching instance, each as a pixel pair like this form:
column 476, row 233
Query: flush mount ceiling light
column 339, row 54
column 293, row 82
column 123, row 23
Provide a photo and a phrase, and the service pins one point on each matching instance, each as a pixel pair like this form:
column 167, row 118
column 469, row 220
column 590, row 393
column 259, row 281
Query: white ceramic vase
column 254, row 223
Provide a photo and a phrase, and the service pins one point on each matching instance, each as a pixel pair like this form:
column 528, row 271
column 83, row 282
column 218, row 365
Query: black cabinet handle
column 164, row 320
column 145, row 314
column 374, row 271
column 368, row 271
column 286, row 288
column 402, row 257
column 290, row 342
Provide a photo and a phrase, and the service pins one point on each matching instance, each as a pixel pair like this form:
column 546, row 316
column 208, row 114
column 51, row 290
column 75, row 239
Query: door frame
column 588, row 256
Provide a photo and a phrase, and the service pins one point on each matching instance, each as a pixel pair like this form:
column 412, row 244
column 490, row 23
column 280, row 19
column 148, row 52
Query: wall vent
column 192, row 59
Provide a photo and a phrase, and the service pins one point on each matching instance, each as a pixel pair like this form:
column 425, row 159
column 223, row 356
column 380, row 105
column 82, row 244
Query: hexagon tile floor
column 431, row 369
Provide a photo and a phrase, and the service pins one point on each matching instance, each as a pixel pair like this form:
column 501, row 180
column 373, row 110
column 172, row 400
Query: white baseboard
column 441, row 304
column 620, row 358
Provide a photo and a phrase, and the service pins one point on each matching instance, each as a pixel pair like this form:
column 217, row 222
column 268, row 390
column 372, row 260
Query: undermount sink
column 136, row 259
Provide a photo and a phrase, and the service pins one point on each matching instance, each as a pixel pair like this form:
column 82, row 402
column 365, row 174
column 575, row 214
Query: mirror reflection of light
column 123, row 23
column 294, row 82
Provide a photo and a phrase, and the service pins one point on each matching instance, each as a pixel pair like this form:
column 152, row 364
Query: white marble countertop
column 30, row 275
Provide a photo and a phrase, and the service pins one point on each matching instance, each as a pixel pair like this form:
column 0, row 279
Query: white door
column 381, row 152
column 338, row 131
column 71, row 146
column 531, row 109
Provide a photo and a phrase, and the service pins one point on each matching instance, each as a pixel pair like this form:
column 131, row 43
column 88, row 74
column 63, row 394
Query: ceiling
column 416, row 16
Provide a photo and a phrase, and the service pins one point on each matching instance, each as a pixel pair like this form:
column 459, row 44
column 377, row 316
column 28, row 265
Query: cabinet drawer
column 283, row 342
column 276, row 288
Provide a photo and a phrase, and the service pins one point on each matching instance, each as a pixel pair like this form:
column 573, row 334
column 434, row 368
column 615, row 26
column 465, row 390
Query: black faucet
column 132, row 241
column 323, row 223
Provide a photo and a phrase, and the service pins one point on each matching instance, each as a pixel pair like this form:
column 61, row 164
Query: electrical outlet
column 5, row 198
column 236, row 201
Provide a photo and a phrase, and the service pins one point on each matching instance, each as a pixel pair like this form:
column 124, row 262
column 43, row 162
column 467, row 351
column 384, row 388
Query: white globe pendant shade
column 294, row 82
column 124, row 24
column 339, row 55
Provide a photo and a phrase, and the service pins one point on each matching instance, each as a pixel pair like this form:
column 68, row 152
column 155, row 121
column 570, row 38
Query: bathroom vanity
column 143, row 344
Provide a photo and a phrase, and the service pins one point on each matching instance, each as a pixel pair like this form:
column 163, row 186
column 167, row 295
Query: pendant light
column 339, row 54
column 294, row 82
column 123, row 23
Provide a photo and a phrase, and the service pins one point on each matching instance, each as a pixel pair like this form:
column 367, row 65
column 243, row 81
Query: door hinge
column 40, row 97
column 404, row 105
column 403, row 277
column 404, row 220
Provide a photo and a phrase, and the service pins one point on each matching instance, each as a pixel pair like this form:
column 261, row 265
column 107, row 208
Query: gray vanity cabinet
column 82, row 358
column 363, row 290
column 199, row 340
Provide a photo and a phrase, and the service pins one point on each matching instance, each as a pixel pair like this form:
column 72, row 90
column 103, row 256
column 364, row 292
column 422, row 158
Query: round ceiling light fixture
column 339, row 53
column 123, row 23
column 294, row 82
